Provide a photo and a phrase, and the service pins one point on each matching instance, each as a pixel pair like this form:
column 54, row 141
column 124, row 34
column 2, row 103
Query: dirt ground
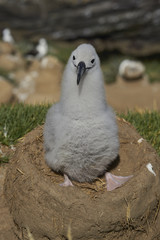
column 6, row 221
column 85, row 211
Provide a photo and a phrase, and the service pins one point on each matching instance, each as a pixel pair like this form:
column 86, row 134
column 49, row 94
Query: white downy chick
column 80, row 132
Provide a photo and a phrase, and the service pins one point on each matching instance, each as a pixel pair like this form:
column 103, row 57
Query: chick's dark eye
column 92, row 61
column 74, row 57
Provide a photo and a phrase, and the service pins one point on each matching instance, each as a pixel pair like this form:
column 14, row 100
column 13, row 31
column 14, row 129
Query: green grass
column 20, row 119
column 61, row 50
column 147, row 124
column 17, row 120
column 110, row 65
column 4, row 159
column 153, row 69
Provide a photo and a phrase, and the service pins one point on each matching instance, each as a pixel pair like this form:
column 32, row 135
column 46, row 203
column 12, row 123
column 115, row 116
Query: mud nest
column 41, row 207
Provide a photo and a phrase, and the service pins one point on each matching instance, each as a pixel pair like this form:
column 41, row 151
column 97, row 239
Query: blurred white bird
column 7, row 36
column 80, row 132
column 40, row 51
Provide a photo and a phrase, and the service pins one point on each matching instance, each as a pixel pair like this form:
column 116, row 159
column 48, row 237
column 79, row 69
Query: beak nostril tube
column 81, row 68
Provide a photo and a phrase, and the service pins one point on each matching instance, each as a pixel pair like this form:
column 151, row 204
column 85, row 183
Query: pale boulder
column 47, row 83
column 40, row 83
column 10, row 62
column 7, row 48
column 5, row 91
column 131, row 70
column 26, row 84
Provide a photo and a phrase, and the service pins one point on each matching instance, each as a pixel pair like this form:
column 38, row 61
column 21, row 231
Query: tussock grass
column 147, row 124
column 19, row 119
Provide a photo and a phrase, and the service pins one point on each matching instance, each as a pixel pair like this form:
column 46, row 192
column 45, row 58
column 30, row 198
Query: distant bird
column 40, row 51
column 7, row 36
column 80, row 132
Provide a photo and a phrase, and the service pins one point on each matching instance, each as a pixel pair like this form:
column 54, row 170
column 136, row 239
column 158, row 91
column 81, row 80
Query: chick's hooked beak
column 81, row 68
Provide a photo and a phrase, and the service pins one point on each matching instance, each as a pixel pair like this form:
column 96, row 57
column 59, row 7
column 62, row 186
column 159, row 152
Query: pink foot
column 67, row 182
column 114, row 181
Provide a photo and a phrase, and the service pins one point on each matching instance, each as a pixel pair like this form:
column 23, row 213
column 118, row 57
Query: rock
column 25, row 88
column 7, row 48
column 47, row 63
column 131, row 70
column 51, row 63
column 47, row 83
column 6, row 89
column 130, row 26
column 86, row 211
column 10, row 62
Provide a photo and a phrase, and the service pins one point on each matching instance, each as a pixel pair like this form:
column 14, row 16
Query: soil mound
column 86, row 211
